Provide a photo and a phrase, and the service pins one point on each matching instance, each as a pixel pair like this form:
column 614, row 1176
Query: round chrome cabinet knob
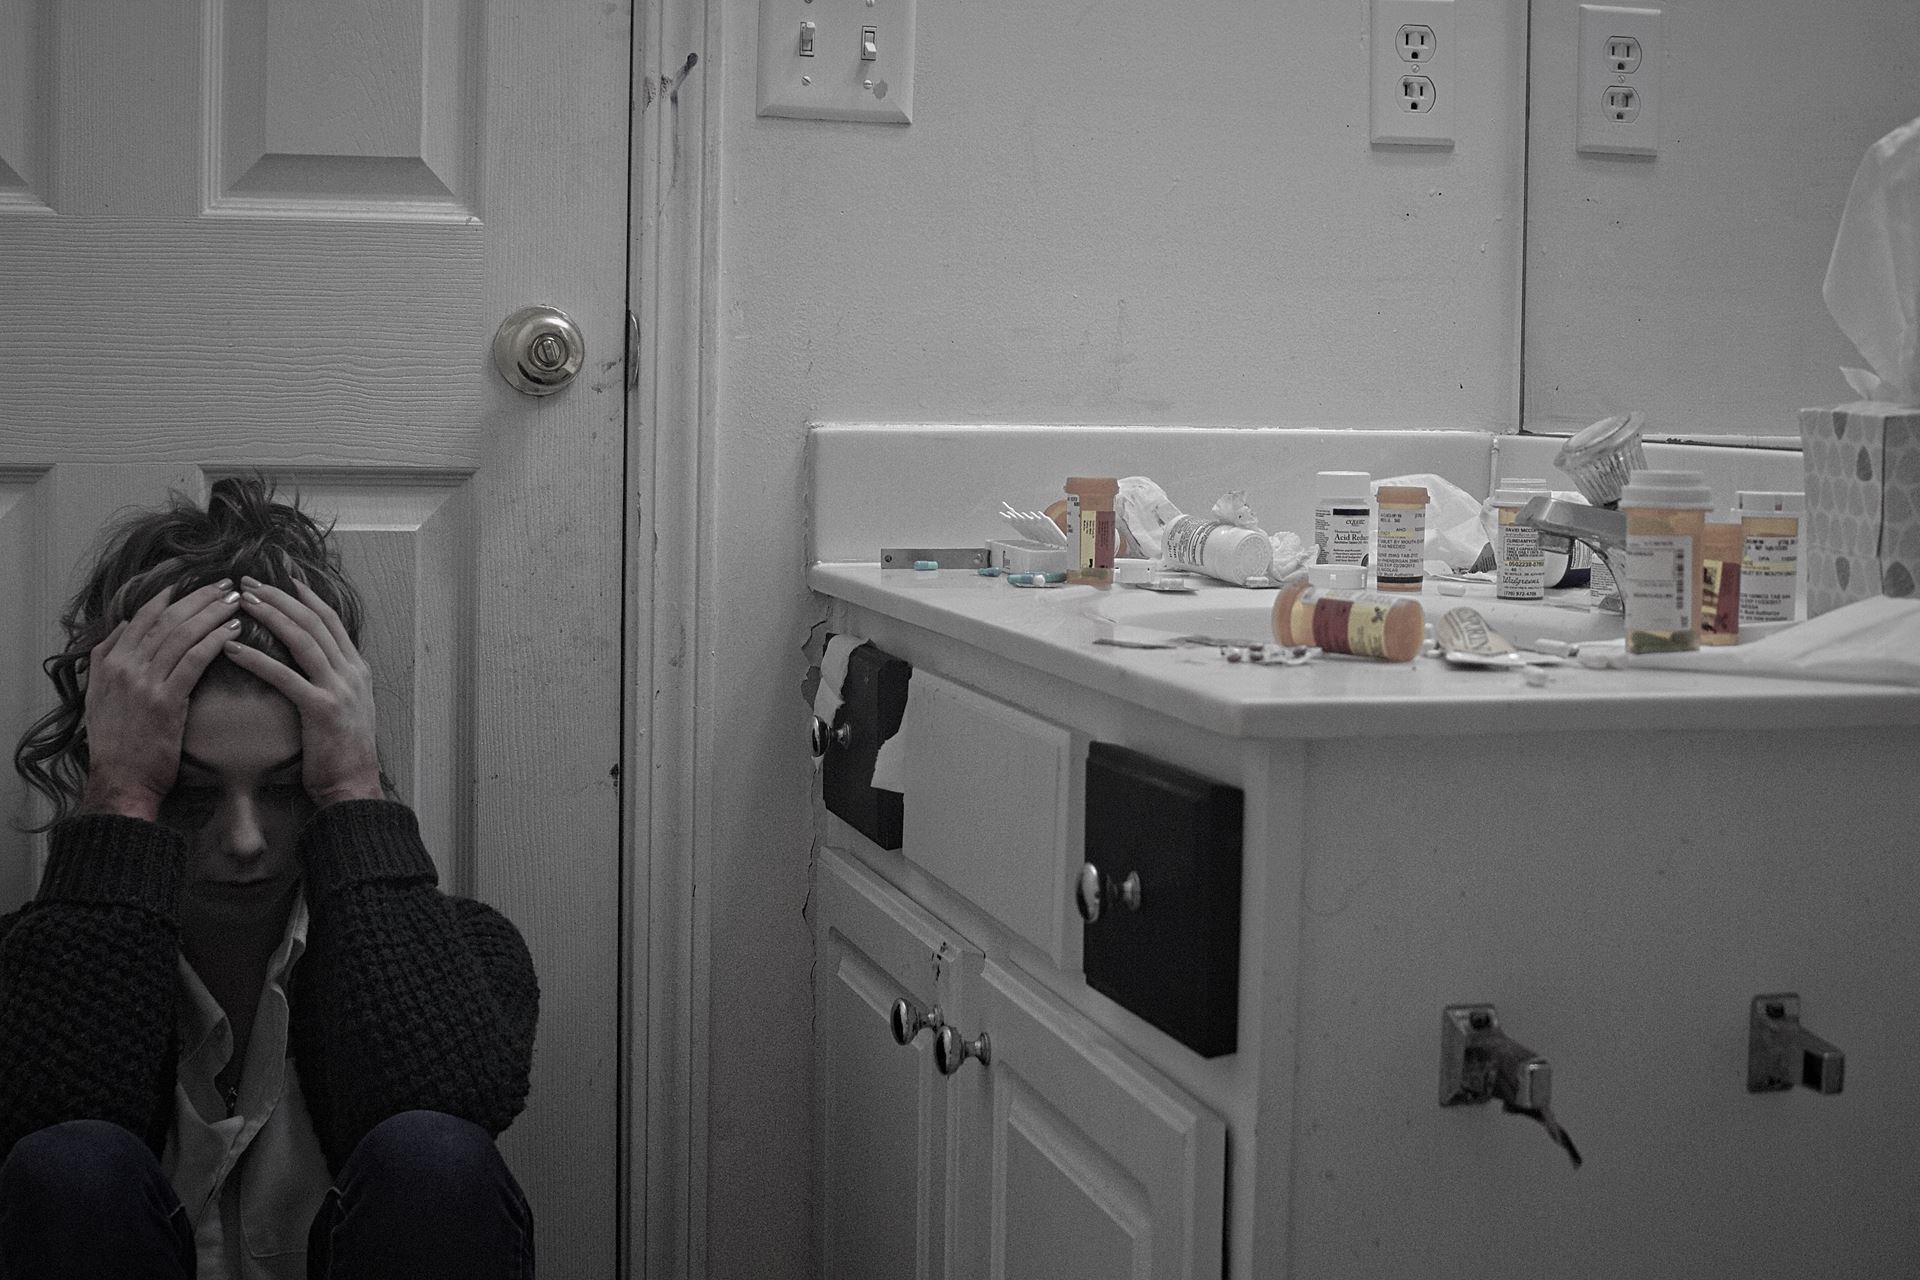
column 909, row 1020
column 824, row 735
column 950, row 1052
column 538, row 350
column 1096, row 892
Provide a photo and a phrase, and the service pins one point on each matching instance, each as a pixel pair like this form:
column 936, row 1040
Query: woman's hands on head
column 139, row 680
column 333, row 690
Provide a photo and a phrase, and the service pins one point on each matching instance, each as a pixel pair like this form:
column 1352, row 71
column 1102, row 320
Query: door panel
column 353, row 106
column 1081, row 1162
column 884, row 1117
column 255, row 234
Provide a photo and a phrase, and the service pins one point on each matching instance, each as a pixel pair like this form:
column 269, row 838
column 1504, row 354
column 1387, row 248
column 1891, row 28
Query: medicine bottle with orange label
column 1366, row 624
column 1666, row 517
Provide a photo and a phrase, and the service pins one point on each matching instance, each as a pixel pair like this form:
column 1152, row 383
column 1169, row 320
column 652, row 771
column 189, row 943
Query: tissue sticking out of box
column 1873, row 280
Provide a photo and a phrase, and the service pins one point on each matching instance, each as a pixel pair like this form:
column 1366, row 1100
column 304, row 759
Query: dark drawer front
column 1175, row 959
column 875, row 697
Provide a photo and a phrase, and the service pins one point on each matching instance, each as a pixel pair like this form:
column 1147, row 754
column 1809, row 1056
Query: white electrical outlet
column 1415, row 73
column 837, row 59
column 1618, row 81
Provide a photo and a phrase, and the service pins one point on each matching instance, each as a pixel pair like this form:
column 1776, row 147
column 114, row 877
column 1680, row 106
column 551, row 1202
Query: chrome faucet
column 1602, row 529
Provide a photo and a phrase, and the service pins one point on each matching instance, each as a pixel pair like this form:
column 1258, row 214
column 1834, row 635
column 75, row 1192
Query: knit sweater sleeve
column 87, row 982
column 407, row 998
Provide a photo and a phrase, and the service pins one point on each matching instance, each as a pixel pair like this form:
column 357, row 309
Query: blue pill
column 926, row 564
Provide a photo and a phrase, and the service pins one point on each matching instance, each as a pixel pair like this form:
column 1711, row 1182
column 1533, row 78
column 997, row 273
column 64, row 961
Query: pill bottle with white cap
column 1343, row 517
column 1666, row 517
column 1520, row 564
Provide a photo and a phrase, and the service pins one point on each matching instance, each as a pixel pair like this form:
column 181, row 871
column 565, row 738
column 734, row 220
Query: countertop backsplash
column 935, row 485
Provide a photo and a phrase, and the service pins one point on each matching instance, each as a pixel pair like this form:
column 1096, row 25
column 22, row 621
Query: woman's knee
column 81, row 1171
column 79, row 1168
column 427, row 1153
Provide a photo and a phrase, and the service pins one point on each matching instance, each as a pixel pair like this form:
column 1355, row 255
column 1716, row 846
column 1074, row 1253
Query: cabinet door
column 883, row 1115
column 1077, row 1161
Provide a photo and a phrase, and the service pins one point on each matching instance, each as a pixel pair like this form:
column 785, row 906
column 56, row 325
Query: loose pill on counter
column 1536, row 676
column 990, row 571
column 924, row 565
column 1449, row 588
column 1036, row 579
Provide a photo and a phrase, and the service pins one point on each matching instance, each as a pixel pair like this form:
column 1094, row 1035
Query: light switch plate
column 837, row 81
column 1415, row 74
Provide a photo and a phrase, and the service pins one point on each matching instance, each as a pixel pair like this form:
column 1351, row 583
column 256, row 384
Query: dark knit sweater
column 406, row 998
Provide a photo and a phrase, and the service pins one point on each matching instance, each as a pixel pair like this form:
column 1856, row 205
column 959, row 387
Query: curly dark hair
column 180, row 547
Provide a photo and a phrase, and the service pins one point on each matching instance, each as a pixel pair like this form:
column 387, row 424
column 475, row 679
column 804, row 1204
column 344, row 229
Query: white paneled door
column 280, row 235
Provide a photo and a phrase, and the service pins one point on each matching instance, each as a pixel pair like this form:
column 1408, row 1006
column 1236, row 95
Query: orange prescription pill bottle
column 1666, row 517
column 1770, row 579
column 1721, row 546
column 1090, row 526
column 1366, row 624
column 1400, row 537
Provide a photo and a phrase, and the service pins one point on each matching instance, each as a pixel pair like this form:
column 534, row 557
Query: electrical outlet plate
column 1414, row 77
column 837, row 81
column 1618, row 111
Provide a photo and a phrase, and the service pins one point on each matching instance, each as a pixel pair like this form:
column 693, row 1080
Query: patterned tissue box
column 1862, row 536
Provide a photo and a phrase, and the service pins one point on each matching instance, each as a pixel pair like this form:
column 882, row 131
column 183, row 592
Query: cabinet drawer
column 1163, row 869
column 989, row 809
column 874, row 695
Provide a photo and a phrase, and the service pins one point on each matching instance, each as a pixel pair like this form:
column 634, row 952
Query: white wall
column 1103, row 212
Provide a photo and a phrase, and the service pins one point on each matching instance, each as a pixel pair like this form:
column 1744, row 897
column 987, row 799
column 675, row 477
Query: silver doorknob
column 538, row 350
column 950, row 1051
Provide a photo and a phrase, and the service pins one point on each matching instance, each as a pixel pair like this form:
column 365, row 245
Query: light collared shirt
column 252, row 1180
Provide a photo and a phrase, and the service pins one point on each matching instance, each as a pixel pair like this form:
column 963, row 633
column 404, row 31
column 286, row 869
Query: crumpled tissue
column 1873, row 279
column 1871, row 641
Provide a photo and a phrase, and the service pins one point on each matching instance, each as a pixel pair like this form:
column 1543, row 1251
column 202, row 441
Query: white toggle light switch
column 853, row 59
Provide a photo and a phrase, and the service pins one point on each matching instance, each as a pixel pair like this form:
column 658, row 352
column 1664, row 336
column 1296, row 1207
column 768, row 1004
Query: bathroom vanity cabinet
column 1618, row 864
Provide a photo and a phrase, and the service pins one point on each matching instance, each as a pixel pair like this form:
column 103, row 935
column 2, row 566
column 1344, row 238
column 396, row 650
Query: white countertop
column 1053, row 630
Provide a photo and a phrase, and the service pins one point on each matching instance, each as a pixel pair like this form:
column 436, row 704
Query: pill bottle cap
column 1093, row 486
column 1766, row 500
column 1406, row 495
column 1684, row 490
column 1345, row 484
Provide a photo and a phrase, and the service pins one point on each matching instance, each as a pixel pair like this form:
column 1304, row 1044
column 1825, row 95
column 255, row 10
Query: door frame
column 672, row 292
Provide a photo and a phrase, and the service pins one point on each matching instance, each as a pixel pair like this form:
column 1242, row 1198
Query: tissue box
column 1862, row 535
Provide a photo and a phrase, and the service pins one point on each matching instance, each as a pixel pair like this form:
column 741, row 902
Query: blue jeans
column 424, row 1195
